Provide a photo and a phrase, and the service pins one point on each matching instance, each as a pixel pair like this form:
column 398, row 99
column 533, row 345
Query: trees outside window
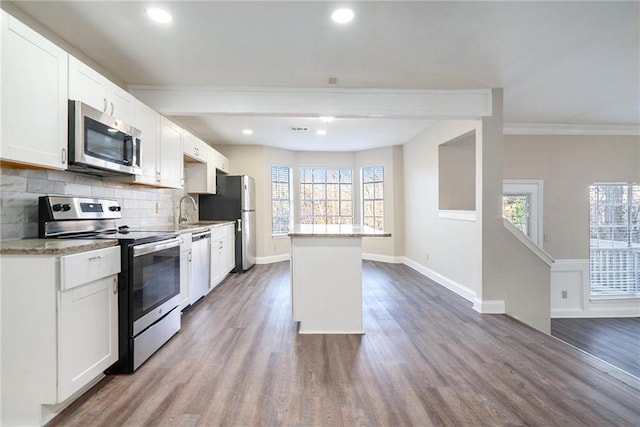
column 326, row 196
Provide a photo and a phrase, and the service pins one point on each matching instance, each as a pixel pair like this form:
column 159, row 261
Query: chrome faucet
column 184, row 217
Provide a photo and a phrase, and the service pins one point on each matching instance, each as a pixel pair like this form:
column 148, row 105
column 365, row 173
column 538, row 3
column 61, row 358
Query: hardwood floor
column 616, row 341
column 426, row 359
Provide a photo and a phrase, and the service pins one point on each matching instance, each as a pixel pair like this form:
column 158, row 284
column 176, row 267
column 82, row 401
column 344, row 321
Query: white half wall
column 572, row 276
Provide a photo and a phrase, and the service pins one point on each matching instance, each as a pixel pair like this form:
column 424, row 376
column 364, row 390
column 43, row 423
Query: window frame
column 274, row 200
column 613, row 259
column 375, row 199
column 311, row 176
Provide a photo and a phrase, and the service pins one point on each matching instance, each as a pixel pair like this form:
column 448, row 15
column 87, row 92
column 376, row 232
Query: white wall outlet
column 545, row 237
column 157, row 207
column 426, row 257
column 564, row 294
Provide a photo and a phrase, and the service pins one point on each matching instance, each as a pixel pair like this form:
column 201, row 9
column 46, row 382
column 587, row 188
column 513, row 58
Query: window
column 614, row 260
column 373, row 197
column 515, row 207
column 281, row 212
column 326, row 196
column 522, row 205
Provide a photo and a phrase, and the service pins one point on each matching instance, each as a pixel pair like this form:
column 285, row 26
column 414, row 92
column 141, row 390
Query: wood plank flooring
column 616, row 341
column 426, row 359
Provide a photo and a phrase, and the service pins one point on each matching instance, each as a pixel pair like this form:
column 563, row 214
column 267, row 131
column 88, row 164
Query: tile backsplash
column 20, row 189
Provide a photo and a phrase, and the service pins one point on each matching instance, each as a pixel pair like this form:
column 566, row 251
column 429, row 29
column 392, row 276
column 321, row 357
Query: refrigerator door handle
column 239, row 225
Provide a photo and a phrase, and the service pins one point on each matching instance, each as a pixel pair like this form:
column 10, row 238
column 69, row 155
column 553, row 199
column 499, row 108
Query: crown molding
column 570, row 129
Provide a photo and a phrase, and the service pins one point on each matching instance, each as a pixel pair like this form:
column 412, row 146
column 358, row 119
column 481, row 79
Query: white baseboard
column 273, row 258
column 496, row 306
column 441, row 280
column 383, row 258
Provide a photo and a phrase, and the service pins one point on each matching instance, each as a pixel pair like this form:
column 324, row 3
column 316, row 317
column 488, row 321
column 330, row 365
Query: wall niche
column 457, row 174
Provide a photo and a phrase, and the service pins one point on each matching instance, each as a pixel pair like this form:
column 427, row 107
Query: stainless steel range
column 149, row 281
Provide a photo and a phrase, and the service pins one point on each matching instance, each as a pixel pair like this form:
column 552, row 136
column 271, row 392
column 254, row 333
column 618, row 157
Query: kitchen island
column 326, row 277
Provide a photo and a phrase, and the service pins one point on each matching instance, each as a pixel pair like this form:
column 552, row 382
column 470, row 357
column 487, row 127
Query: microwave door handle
column 134, row 151
column 127, row 139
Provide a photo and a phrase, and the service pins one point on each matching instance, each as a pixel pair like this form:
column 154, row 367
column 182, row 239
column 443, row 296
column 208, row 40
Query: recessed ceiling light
column 247, row 131
column 342, row 15
column 159, row 15
column 327, row 119
column 321, row 132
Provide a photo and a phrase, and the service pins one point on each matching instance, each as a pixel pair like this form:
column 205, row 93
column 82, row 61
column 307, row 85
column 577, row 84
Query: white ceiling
column 575, row 63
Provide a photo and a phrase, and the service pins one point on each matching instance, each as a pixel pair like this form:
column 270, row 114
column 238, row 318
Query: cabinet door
column 216, row 262
column 194, row 149
column 229, row 255
column 148, row 121
column 185, row 273
column 87, row 333
column 121, row 103
column 87, row 85
column 171, row 165
column 94, row 89
column 34, row 97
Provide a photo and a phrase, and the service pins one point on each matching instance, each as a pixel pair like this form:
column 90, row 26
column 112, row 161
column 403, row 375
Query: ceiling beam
column 427, row 104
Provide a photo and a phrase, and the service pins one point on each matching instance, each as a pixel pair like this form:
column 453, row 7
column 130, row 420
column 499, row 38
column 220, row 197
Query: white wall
column 568, row 165
column 476, row 258
column 388, row 249
column 450, row 249
column 257, row 161
column 572, row 276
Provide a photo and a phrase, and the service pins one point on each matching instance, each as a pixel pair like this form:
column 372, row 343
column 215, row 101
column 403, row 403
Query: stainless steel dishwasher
column 200, row 264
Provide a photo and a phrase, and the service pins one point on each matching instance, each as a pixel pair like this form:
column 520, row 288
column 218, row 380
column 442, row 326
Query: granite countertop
column 185, row 227
column 53, row 246
column 331, row 230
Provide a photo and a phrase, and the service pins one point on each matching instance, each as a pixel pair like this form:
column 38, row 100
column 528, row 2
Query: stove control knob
column 66, row 207
column 57, row 207
column 114, row 208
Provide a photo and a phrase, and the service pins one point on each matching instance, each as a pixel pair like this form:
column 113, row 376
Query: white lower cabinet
column 222, row 252
column 59, row 330
column 87, row 333
column 185, row 270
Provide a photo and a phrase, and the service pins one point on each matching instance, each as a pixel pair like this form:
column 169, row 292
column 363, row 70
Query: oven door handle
column 149, row 248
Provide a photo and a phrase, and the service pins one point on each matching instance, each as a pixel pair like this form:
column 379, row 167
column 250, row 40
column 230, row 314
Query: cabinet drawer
column 86, row 267
column 221, row 232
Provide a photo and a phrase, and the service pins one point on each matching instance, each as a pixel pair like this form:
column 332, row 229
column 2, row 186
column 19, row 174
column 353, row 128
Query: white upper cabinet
column 195, row 150
column 160, row 150
column 92, row 88
column 171, row 166
column 148, row 122
column 33, row 102
column 221, row 162
column 200, row 167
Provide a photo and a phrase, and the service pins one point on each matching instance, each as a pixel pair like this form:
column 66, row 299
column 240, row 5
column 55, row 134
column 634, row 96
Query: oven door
column 155, row 282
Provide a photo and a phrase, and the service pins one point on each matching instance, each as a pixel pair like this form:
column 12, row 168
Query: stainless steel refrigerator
column 235, row 200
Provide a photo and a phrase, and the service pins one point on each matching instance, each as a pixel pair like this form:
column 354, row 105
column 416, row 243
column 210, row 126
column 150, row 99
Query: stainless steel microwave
column 100, row 144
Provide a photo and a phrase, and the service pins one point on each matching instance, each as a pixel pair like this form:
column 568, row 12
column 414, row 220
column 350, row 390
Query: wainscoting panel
column 572, row 276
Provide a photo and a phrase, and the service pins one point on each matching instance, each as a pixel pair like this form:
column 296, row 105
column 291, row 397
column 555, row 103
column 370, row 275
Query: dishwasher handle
column 200, row 235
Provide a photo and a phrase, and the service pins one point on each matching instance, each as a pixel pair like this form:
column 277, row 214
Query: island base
column 326, row 284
